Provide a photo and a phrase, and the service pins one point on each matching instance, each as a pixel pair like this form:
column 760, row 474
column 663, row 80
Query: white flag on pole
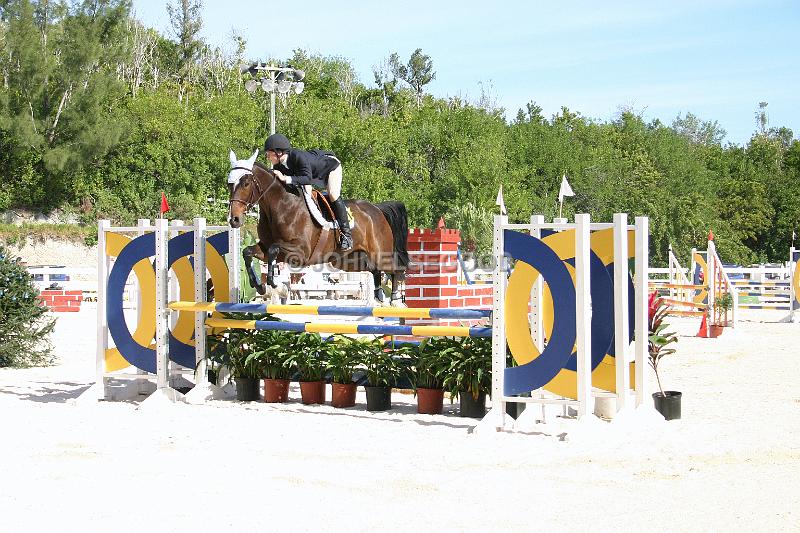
column 565, row 190
column 500, row 201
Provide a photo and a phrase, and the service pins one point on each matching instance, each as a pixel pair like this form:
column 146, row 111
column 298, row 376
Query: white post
column 712, row 282
column 673, row 278
column 537, row 330
column 794, row 281
column 162, row 311
column 200, row 296
column 103, row 264
column 498, row 324
column 143, row 225
column 621, row 344
column 234, row 258
column 583, row 322
column 173, row 293
column 641, row 329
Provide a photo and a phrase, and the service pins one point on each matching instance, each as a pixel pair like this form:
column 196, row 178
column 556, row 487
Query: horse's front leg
column 272, row 259
column 247, row 255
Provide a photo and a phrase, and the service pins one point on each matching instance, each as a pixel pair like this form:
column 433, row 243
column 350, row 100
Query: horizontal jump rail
column 340, row 310
column 680, row 286
column 699, row 305
column 678, row 312
column 364, row 329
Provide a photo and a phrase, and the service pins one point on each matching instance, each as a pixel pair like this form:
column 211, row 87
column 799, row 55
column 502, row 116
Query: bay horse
column 287, row 233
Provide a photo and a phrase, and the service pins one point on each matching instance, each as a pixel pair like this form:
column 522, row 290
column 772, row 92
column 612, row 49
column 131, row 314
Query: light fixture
column 250, row 85
column 284, row 86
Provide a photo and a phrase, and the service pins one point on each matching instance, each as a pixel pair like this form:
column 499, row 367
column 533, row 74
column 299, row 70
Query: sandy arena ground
column 731, row 464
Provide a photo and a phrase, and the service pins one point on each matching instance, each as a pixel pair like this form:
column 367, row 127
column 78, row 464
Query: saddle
column 321, row 212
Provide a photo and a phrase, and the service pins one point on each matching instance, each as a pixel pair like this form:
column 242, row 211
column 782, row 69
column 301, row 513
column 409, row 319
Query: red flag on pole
column 164, row 204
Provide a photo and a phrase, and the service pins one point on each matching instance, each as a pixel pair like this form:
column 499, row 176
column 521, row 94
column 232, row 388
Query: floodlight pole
column 272, row 104
column 295, row 77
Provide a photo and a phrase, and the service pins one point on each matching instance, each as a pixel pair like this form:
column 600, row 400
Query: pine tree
column 25, row 326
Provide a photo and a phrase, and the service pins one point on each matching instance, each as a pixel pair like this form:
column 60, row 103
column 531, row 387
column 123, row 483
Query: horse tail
column 397, row 217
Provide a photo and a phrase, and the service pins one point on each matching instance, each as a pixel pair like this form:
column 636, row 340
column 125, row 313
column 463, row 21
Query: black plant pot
column 378, row 398
column 247, row 389
column 668, row 405
column 472, row 407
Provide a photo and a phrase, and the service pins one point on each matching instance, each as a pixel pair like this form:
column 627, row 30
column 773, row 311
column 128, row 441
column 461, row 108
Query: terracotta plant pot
column 343, row 394
column 276, row 390
column 312, row 392
column 429, row 401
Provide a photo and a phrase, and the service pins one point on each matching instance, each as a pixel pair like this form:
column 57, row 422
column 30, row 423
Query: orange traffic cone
column 703, row 328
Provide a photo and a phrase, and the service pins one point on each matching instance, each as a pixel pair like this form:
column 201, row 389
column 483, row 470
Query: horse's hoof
column 261, row 289
column 398, row 303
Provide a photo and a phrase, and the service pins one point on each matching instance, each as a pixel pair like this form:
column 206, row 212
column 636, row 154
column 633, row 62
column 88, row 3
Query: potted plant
column 343, row 358
column 430, row 362
column 469, row 374
column 724, row 304
column 307, row 353
column 383, row 368
column 272, row 356
column 668, row 403
column 244, row 369
column 216, row 356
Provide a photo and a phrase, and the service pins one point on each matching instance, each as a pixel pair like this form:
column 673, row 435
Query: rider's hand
column 282, row 177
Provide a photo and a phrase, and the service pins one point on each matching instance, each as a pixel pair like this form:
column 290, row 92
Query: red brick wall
column 432, row 279
column 62, row 301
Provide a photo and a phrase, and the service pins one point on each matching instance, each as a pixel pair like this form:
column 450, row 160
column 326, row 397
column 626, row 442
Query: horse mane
column 291, row 189
column 262, row 166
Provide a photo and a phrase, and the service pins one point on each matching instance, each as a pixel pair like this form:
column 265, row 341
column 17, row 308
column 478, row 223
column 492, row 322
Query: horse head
column 244, row 187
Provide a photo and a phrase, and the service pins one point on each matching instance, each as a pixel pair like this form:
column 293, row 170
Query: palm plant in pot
column 343, row 357
column 430, row 363
column 244, row 369
column 308, row 354
column 469, row 374
column 384, row 368
column 668, row 403
column 272, row 356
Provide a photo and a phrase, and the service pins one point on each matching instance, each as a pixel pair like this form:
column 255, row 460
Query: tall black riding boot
column 339, row 209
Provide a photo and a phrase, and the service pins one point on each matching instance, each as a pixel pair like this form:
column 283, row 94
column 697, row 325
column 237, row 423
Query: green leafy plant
column 658, row 339
column 725, row 302
column 307, row 352
column 344, row 356
column 431, row 361
column 272, row 354
column 384, row 367
column 470, row 366
column 232, row 349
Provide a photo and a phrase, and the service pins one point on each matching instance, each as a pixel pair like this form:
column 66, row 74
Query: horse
column 287, row 232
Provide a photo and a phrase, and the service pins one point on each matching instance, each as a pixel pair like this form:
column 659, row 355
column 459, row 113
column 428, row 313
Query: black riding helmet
column 277, row 143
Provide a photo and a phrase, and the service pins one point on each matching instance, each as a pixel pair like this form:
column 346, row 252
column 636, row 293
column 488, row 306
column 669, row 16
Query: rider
column 314, row 167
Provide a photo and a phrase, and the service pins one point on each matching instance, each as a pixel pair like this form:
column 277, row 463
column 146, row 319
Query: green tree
column 25, row 326
column 59, row 70
column 417, row 73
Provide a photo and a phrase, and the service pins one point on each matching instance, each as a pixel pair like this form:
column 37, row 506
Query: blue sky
column 716, row 59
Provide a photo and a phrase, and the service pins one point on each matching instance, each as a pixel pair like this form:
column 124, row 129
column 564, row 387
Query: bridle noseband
column 261, row 193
